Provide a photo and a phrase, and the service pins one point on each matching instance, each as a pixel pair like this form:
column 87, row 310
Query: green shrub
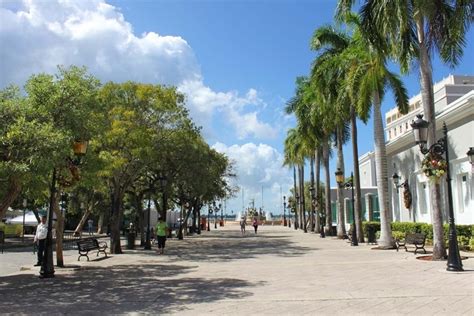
column 461, row 230
column 427, row 229
column 398, row 235
column 405, row 227
column 471, row 244
column 370, row 225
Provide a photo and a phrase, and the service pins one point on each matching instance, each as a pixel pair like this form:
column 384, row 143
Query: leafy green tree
column 65, row 102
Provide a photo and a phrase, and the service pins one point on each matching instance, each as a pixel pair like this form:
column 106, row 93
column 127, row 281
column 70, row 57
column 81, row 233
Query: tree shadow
column 118, row 289
column 230, row 245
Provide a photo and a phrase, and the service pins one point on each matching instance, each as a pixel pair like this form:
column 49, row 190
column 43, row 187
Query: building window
column 406, row 126
column 389, row 134
column 400, row 129
column 395, row 132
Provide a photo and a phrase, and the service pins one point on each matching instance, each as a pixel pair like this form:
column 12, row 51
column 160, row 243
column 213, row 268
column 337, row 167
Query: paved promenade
column 279, row 271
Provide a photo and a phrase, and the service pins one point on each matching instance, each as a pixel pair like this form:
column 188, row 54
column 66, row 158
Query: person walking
column 40, row 239
column 90, row 223
column 255, row 224
column 160, row 230
column 243, row 223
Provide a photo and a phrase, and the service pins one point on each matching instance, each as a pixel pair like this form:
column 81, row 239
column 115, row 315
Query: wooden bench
column 416, row 239
column 88, row 244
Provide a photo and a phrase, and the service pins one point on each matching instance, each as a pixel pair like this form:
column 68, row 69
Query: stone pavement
column 279, row 271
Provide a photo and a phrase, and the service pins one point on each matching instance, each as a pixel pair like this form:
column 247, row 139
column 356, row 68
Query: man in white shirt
column 40, row 238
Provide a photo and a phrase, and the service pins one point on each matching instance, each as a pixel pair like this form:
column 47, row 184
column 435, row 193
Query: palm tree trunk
column 426, row 80
column 317, row 158
column 327, row 192
column 358, row 193
column 311, row 217
column 295, row 221
column 341, row 223
column 302, row 200
column 386, row 239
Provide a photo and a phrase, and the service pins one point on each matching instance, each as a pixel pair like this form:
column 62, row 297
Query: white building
column 454, row 105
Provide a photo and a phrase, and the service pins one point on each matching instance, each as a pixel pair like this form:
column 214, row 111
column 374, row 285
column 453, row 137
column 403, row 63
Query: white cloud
column 37, row 36
column 258, row 166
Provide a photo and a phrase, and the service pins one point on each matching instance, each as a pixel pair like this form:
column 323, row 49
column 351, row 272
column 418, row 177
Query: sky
column 235, row 60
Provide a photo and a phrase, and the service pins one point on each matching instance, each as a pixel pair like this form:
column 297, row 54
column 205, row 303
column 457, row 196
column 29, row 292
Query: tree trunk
column 427, row 98
column 386, row 239
column 100, row 223
column 116, row 220
column 327, row 191
column 14, row 189
column 88, row 211
column 358, row 193
column 341, row 223
column 295, row 221
column 317, row 160
column 311, row 217
column 302, row 199
column 59, row 230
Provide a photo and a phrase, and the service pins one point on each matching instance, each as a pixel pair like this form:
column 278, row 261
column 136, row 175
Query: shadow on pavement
column 119, row 289
column 228, row 245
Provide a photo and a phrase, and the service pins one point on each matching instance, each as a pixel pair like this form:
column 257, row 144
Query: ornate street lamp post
column 216, row 210
column 209, row 212
column 348, row 185
column 322, row 217
column 420, row 131
column 284, row 210
column 47, row 267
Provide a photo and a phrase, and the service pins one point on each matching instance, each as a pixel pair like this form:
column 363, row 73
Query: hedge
column 466, row 232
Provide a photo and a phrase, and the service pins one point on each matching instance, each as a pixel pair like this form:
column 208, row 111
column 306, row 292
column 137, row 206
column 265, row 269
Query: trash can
column 371, row 235
column 131, row 239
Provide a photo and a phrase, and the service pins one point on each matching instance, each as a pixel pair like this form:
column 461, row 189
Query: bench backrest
column 417, row 238
column 86, row 244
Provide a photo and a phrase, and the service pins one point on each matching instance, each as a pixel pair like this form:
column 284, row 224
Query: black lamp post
column 420, row 131
column 148, row 237
column 297, row 197
column 322, row 216
column 209, row 212
column 222, row 215
column 216, row 210
column 284, row 210
column 47, row 267
column 348, row 185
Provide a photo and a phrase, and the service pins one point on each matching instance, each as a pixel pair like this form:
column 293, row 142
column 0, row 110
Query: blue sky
column 235, row 60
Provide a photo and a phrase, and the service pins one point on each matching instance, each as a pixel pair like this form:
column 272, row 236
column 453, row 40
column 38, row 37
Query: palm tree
column 413, row 30
column 293, row 158
column 327, row 75
column 368, row 80
column 365, row 78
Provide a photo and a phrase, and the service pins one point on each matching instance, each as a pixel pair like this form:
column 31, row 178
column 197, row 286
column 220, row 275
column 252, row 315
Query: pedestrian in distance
column 40, row 239
column 243, row 223
column 255, row 224
column 161, row 230
column 90, row 223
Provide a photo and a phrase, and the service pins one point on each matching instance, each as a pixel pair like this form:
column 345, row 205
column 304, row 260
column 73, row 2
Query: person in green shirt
column 161, row 229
